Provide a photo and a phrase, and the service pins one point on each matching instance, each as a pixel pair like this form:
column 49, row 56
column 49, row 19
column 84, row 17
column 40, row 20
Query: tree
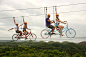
column 76, row 55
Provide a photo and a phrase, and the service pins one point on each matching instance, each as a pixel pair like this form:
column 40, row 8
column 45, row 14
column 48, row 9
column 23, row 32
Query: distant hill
column 82, row 43
column 5, row 40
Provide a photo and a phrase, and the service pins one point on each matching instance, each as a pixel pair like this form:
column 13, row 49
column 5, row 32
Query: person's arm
column 62, row 22
column 10, row 29
column 50, row 21
column 21, row 24
column 59, row 21
column 28, row 28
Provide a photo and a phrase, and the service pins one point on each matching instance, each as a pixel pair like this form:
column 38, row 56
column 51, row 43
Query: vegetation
column 41, row 49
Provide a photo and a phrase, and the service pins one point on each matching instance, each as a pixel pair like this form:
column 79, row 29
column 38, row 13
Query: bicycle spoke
column 33, row 37
column 15, row 37
column 45, row 33
column 70, row 33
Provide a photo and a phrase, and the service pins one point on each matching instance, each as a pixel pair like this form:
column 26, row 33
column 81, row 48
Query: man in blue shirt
column 48, row 23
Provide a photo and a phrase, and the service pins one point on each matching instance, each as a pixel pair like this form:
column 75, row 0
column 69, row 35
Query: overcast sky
column 76, row 20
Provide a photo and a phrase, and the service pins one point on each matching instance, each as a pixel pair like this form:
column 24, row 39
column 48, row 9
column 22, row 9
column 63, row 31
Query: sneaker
column 26, row 37
column 62, row 35
column 19, row 37
column 48, row 33
column 53, row 33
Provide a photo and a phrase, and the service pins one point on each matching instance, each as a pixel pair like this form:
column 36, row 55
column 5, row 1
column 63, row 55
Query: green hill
column 41, row 49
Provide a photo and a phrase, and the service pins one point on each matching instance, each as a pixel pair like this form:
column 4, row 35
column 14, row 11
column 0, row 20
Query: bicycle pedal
column 55, row 33
column 18, row 38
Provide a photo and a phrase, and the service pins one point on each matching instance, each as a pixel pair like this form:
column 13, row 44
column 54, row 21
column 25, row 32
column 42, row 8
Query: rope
column 14, row 20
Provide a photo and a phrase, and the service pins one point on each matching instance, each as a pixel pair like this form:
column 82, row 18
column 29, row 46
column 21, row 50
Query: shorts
column 24, row 29
column 50, row 26
column 56, row 25
column 18, row 31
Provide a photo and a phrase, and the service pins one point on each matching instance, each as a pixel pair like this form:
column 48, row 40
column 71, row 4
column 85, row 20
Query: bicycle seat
column 57, row 28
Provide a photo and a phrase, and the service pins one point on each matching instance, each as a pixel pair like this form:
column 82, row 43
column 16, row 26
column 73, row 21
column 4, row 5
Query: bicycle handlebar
column 65, row 21
column 30, row 30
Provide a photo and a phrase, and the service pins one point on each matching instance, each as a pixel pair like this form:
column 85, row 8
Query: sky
column 76, row 20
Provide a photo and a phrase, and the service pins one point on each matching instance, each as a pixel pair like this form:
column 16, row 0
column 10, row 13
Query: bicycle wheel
column 33, row 37
column 15, row 37
column 44, row 33
column 70, row 33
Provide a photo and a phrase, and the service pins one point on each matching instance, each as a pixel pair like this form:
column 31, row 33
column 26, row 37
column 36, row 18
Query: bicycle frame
column 24, row 34
column 64, row 29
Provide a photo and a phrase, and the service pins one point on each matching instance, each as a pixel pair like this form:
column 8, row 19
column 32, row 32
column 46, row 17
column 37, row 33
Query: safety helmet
column 25, row 22
column 48, row 15
column 16, row 23
column 57, row 14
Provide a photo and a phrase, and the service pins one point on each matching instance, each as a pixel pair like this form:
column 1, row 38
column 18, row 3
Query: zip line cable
column 71, row 4
column 43, row 7
column 73, row 11
column 44, row 14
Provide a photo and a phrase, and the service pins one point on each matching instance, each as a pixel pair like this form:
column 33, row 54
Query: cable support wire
column 43, row 7
column 43, row 14
column 71, row 4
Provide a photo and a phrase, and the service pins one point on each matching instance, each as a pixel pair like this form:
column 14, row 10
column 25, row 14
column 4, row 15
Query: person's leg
column 20, row 33
column 25, row 34
column 53, row 29
column 60, row 29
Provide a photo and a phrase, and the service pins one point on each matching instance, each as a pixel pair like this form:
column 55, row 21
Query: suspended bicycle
column 70, row 33
column 29, row 35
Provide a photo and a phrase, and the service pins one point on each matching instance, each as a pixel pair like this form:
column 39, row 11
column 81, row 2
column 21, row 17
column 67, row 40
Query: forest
column 42, row 49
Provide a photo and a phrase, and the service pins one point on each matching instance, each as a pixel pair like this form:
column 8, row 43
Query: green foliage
column 77, row 55
column 7, row 53
column 41, row 49
column 51, row 55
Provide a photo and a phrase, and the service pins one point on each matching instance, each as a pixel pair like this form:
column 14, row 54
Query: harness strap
column 14, row 20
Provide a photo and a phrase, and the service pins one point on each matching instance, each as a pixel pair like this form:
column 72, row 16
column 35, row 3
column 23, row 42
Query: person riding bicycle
column 17, row 29
column 24, row 29
column 48, row 23
column 57, row 23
